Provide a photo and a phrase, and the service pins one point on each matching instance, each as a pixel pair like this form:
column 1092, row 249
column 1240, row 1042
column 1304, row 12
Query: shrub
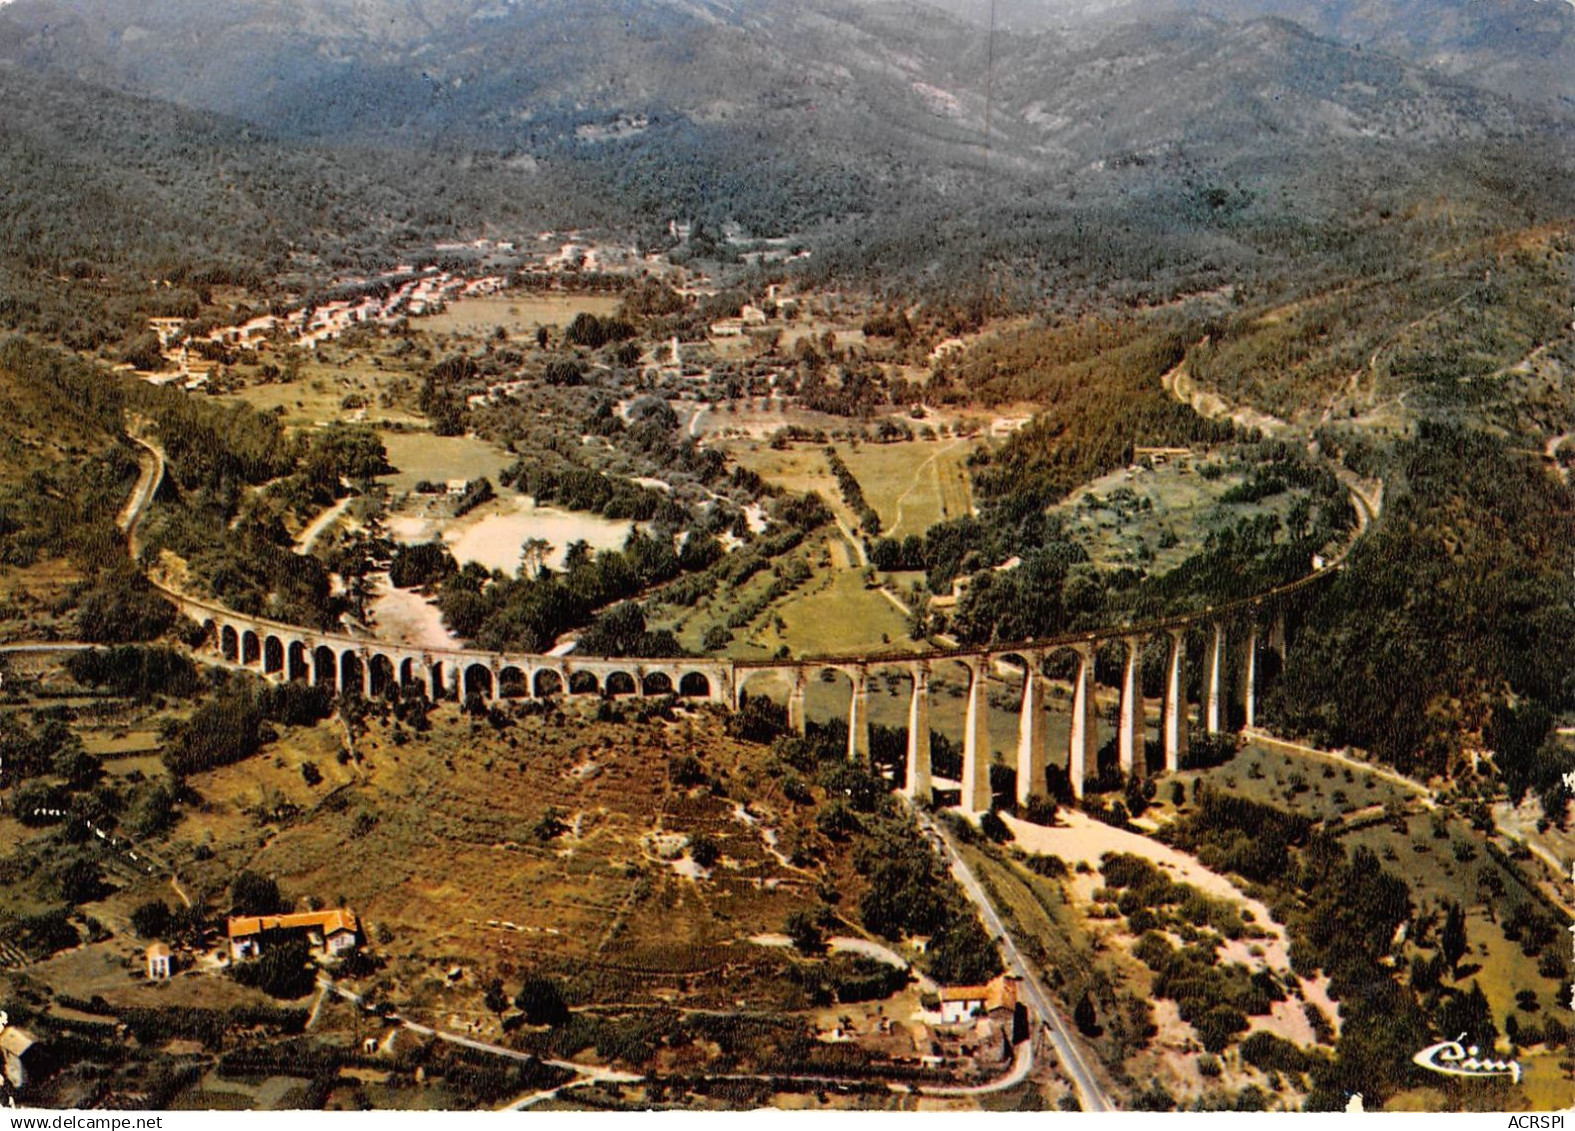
column 1219, row 1026
column 991, row 825
column 122, row 606
column 805, row 933
column 962, row 953
column 282, row 971
column 151, row 920
column 541, row 1001
column 1041, row 811
column 414, row 567
column 218, row 733
column 252, row 894
column 1274, row 1054
column 135, row 671
column 703, row 850
column 1047, row 865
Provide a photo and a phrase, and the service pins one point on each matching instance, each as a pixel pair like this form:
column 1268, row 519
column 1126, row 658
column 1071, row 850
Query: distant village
column 412, row 290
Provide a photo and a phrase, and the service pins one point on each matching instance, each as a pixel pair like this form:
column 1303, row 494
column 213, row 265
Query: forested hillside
column 1453, row 628
column 1133, row 159
column 103, row 192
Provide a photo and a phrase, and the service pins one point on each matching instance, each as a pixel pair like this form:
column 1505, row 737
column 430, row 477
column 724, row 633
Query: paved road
column 147, row 486
column 1089, row 1093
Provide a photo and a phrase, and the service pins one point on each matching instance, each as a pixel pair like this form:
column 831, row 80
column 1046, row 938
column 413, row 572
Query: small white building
column 17, row 1050
column 160, row 962
column 961, row 1004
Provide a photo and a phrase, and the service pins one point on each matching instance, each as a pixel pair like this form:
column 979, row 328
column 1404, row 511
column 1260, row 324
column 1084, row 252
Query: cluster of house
column 423, row 294
column 1159, row 457
column 980, row 1024
column 962, row 1004
column 984, row 1023
column 332, row 932
column 752, row 316
column 309, row 326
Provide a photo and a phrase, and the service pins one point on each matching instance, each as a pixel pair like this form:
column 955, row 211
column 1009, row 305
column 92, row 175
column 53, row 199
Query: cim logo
column 1455, row 1058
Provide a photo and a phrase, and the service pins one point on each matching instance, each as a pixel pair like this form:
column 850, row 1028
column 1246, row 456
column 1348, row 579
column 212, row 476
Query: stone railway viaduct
column 287, row 652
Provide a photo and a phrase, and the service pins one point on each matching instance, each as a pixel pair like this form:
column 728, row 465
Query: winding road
column 307, row 541
column 147, row 483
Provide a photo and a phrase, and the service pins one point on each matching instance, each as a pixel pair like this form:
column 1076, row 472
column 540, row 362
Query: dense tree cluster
column 853, row 494
column 594, row 332
column 417, row 565
column 581, row 489
column 136, row 672
column 1467, row 587
column 229, row 727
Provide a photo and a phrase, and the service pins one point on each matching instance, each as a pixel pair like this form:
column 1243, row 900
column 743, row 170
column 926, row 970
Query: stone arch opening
column 832, row 708
column 410, row 681
column 512, row 684
column 251, row 648
column 229, row 643
column 619, row 683
column 273, row 655
column 653, row 685
column 210, row 633
column 695, row 685
column 584, row 683
column 325, row 667
column 775, row 684
column 1161, row 654
column 352, row 674
column 892, row 746
column 440, row 688
column 299, row 662
column 381, row 675
column 765, row 700
column 547, row 684
column 1021, row 773
column 478, row 681
column 951, row 700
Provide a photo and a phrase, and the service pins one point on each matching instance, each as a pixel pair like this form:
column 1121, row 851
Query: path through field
column 930, row 466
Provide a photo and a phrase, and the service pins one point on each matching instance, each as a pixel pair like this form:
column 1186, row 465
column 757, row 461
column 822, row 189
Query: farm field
column 1273, row 775
column 797, row 468
column 519, row 312
column 913, row 484
column 422, row 455
column 319, row 394
column 31, row 599
column 830, row 613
